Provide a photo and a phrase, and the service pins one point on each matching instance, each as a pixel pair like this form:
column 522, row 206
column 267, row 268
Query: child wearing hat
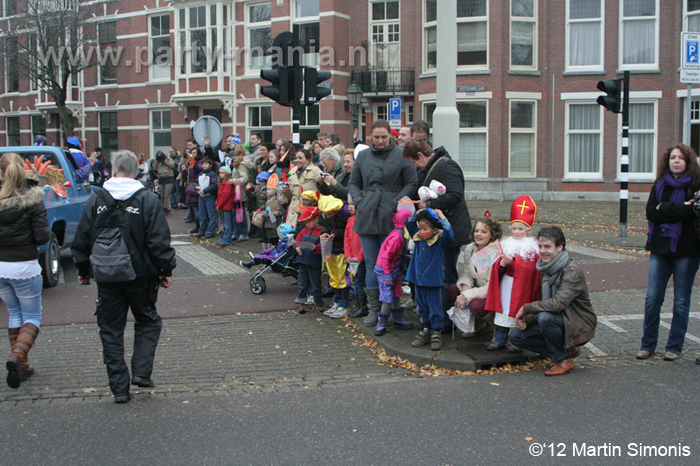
column 432, row 234
column 389, row 269
column 515, row 281
column 309, row 259
column 334, row 219
column 224, row 202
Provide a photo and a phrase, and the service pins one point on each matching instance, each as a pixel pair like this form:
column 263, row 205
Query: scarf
column 550, row 272
column 679, row 185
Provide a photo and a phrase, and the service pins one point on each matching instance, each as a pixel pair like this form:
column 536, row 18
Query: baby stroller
column 281, row 260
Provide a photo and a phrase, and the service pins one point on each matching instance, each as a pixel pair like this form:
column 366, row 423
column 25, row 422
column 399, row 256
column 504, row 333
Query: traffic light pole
column 624, row 160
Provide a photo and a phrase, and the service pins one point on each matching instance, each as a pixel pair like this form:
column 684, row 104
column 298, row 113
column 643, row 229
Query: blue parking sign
column 394, row 109
column 691, row 51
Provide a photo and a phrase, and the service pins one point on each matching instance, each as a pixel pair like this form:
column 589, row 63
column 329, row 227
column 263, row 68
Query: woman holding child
column 303, row 179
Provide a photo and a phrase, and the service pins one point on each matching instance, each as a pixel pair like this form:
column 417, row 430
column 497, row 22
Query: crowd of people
column 361, row 221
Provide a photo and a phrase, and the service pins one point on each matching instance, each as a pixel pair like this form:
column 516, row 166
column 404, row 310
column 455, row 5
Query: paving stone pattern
column 212, row 354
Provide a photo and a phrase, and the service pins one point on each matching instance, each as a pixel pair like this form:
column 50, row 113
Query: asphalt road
column 384, row 420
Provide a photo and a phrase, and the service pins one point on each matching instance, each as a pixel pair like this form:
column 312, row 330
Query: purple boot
column 399, row 321
column 380, row 329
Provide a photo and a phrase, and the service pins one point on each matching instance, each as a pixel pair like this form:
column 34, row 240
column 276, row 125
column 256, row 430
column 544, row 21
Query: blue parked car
column 63, row 213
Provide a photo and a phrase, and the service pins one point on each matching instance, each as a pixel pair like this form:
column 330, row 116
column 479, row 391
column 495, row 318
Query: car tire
column 51, row 263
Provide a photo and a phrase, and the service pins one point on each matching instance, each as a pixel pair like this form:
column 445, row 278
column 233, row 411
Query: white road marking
column 605, row 322
column 595, row 350
column 207, row 262
column 687, row 335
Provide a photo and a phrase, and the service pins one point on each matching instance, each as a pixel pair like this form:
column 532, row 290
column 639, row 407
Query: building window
column 584, row 35
column 523, row 136
column 409, row 118
column 260, row 120
column 259, row 34
column 11, row 64
column 523, row 34
column 473, row 134
column 202, row 30
column 160, row 129
column 639, row 32
column 381, row 112
column 692, row 15
column 584, row 141
column 12, row 126
column 642, row 139
column 309, row 123
column 108, row 132
column 306, row 26
column 160, row 47
column 385, row 35
column 10, row 7
column 472, row 34
column 38, row 126
column 107, row 36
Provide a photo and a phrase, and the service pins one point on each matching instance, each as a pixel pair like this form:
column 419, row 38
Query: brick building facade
column 526, row 81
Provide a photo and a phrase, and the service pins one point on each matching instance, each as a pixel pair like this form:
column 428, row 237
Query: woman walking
column 23, row 228
column 674, row 246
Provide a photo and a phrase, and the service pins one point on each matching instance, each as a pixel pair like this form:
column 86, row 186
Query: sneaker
column 340, row 313
column 436, row 340
column 243, row 238
column 309, row 300
column 421, row 339
column 331, row 309
column 300, row 301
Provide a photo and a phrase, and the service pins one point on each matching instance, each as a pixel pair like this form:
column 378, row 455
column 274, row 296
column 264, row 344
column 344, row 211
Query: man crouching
column 564, row 319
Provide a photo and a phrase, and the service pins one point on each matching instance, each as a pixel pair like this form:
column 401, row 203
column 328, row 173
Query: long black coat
column 452, row 203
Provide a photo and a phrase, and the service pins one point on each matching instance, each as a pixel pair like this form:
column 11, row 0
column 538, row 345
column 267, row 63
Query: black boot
column 360, row 307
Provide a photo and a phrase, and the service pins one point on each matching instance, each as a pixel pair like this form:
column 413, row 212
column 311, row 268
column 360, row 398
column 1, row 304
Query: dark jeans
column 208, row 217
column 546, row 337
column 113, row 303
column 358, row 281
column 661, row 267
column 309, row 277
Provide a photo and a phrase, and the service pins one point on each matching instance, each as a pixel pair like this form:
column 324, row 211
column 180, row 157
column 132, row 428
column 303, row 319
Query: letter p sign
column 692, row 52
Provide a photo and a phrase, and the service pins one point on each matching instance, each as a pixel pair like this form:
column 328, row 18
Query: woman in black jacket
column 674, row 246
column 23, row 228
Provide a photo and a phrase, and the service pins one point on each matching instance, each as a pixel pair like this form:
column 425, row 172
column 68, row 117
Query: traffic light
column 312, row 91
column 280, row 90
column 613, row 89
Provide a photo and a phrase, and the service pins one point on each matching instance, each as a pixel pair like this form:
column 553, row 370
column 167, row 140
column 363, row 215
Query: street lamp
column 354, row 94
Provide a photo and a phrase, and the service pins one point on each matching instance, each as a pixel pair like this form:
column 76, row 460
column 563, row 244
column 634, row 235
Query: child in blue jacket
column 432, row 234
column 207, row 189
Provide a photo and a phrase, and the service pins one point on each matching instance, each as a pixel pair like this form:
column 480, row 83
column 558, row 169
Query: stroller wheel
column 257, row 285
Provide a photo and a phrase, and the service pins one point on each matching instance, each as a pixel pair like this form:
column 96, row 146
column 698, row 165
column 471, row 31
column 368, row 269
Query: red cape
column 526, row 284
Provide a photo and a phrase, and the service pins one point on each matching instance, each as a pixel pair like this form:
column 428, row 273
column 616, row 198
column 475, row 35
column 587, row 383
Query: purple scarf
column 679, row 185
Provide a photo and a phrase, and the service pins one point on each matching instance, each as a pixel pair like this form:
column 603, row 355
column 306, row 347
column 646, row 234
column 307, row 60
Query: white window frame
column 152, row 68
column 532, row 131
column 621, row 46
column 567, row 41
column 381, row 108
column 309, row 59
column 249, row 27
column 106, row 47
column 155, row 131
column 641, row 176
column 409, row 113
column 385, row 25
column 222, row 39
column 687, row 15
column 524, row 19
column 466, row 130
column 249, row 128
column 424, row 46
column 586, row 176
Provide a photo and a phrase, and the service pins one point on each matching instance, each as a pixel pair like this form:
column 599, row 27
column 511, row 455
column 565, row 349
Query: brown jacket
column 571, row 298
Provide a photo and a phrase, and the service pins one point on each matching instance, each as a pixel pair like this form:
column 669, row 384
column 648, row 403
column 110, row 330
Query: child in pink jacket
column 388, row 269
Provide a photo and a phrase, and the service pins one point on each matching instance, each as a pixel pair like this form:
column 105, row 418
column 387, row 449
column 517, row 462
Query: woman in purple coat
column 190, row 170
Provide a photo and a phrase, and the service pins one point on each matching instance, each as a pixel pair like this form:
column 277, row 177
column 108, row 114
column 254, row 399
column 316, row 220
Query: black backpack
column 115, row 256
